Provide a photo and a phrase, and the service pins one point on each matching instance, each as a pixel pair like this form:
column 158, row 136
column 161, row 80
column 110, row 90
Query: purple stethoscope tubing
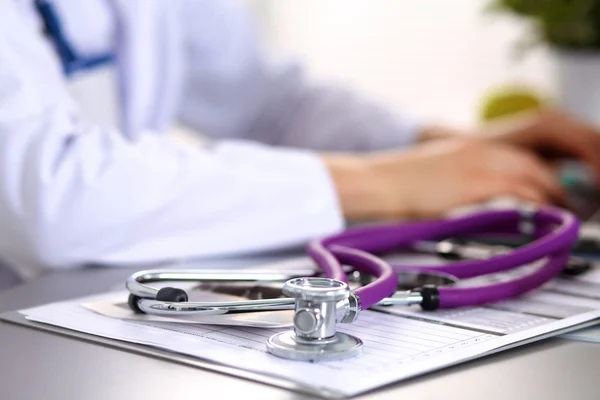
column 554, row 230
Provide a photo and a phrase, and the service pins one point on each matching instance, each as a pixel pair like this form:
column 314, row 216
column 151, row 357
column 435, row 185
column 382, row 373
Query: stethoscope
column 322, row 302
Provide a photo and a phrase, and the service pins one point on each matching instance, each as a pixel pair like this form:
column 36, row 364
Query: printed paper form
column 393, row 350
column 396, row 347
column 589, row 285
column 559, row 299
column 418, row 336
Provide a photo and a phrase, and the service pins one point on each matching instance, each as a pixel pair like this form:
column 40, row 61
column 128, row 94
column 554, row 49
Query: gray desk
column 39, row 365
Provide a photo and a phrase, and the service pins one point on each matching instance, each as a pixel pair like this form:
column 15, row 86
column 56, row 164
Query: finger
column 529, row 169
column 590, row 152
column 537, row 173
column 528, row 193
column 575, row 138
column 494, row 187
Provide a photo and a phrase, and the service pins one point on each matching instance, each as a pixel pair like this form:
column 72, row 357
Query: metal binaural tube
column 212, row 307
column 407, row 298
column 135, row 283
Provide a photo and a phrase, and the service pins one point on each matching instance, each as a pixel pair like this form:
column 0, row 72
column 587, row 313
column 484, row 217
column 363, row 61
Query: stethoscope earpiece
column 166, row 294
column 133, row 303
column 171, row 294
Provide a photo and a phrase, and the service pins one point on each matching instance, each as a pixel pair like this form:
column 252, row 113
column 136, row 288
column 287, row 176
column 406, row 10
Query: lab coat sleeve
column 234, row 90
column 72, row 194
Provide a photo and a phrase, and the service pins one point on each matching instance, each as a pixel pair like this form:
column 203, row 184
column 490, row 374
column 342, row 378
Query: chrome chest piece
column 314, row 337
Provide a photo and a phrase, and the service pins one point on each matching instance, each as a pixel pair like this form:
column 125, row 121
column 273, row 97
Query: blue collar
column 71, row 61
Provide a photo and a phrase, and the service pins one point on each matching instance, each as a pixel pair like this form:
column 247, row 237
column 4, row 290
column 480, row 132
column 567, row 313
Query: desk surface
column 38, row 364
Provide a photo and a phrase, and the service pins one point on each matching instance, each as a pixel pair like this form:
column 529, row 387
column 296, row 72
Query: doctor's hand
column 432, row 179
column 547, row 132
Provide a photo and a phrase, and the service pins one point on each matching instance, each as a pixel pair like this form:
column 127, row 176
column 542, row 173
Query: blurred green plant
column 564, row 24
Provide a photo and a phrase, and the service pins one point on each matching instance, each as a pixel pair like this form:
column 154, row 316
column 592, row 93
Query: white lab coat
column 72, row 193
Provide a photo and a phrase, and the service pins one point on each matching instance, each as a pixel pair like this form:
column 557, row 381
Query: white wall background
column 433, row 58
